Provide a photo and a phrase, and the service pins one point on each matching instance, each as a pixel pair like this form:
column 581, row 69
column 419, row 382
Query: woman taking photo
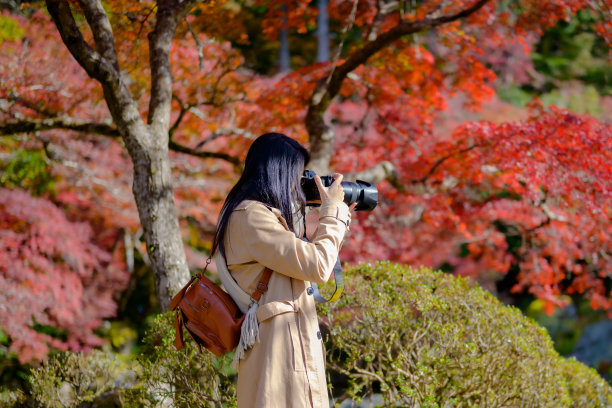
column 260, row 227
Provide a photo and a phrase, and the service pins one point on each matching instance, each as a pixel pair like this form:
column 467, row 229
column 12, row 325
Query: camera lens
column 361, row 192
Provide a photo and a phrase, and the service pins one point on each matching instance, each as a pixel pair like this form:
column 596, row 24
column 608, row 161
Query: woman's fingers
column 337, row 179
column 320, row 187
column 352, row 207
column 334, row 191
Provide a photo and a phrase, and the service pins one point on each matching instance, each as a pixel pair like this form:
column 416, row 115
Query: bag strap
column 178, row 315
column 262, row 286
column 178, row 330
column 179, row 296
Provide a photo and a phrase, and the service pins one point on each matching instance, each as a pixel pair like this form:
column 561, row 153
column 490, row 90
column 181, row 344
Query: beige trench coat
column 287, row 367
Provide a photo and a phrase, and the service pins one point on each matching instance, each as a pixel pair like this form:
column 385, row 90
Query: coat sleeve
column 269, row 243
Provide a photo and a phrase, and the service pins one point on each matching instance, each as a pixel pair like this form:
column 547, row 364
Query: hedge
column 428, row 339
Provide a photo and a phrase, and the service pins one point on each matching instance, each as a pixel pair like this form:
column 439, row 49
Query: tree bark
column 147, row 143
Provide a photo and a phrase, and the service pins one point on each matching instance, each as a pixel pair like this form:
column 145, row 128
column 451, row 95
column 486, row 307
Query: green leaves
column 10, row 30
column 27, row 169
column 425, row 338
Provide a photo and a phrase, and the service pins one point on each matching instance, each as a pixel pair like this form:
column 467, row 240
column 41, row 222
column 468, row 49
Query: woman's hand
column 335, row 192
column 351, row 208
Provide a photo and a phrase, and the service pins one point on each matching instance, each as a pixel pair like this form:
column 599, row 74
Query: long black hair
column 271, row 175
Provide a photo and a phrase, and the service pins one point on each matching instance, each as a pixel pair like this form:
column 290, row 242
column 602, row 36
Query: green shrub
column 159, row 376
column 427, row 339
column 12, row 398
column 97, row 378
column 186, row 377
column 585, row 386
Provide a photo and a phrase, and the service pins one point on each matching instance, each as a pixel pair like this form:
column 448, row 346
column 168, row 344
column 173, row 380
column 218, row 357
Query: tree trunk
column 284, row 56
column 147, row 143
column 322, row 32
column 154, row 197
column 321, row 135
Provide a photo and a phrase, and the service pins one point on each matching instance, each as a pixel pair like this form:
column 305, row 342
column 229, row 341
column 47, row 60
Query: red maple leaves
column 535, row 195
column 52, row 275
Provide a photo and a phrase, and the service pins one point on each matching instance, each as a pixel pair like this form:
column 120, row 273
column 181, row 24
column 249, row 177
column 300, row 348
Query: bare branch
column 440, row 161
column 199, row 45
column 382, row 171
column 184, row 110
column 205, row 155
column 30, row 105
column 23, row 126
column 376, row 22
column 101, row 30
column 229, row 130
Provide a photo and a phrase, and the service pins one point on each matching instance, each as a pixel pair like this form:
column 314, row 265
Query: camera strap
column 339, row 285
column 339, row 279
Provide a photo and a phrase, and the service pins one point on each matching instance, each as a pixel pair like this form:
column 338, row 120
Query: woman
column 260, row 226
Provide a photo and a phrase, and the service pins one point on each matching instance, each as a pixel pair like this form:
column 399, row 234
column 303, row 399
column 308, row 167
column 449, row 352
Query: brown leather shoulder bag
column 209, row 314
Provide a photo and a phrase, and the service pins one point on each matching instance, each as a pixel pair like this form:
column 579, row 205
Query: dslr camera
column 361, row 192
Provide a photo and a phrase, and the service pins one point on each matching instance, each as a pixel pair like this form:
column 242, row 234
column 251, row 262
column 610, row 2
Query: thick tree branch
column 101, row 29
column 94, row 64
column 169, row 14
column 118, row 97
column 321, row 136
column 23, row 126
column 382, row 171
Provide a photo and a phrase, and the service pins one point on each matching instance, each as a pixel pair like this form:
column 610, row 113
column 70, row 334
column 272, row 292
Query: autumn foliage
column 53, row 277
column 524, row 203
column 531, row 198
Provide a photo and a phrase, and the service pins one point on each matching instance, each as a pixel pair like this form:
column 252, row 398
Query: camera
column 361, row 192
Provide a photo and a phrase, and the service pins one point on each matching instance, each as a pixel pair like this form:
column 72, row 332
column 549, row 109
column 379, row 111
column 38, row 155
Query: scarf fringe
column 249, row 334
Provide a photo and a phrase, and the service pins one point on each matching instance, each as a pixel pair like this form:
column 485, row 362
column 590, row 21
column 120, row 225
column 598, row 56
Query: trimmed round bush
column 585, row 385
column 427, row 339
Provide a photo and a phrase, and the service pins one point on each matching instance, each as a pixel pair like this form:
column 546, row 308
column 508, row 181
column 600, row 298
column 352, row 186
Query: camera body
column 361, row 192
